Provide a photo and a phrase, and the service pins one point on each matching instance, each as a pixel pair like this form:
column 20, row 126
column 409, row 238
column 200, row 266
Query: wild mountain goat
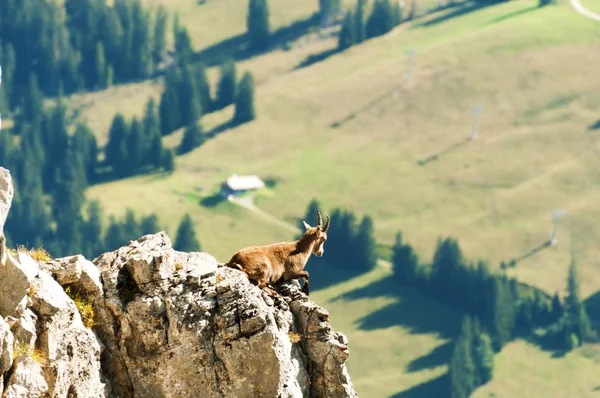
column 282, row 262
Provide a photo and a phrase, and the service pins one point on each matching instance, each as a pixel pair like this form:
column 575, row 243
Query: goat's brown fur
column 281, row 262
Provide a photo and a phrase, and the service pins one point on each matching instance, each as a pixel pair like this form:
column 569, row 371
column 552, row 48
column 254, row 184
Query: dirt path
column 576, row 4
column 247, row 202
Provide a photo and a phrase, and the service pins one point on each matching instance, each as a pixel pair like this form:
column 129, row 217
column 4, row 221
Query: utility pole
column 477, row 110
column 557, row 214
column 411, row 55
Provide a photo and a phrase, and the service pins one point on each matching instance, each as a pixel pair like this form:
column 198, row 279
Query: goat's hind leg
column 263, row 285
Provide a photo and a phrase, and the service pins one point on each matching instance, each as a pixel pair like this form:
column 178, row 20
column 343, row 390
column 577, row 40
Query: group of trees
column 497, row 308
column 77, row 44
column 384, row 16
column 352, row 246
column 137, row 145
column 472, row 362
column 53, row 159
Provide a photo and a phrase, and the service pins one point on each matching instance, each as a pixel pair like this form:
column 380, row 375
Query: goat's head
column 318, row 234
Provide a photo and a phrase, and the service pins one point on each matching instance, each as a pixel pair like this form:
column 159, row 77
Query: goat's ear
column 306, row 225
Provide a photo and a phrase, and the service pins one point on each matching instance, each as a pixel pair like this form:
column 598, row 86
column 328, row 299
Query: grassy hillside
column 535, row 73
column 534, row 152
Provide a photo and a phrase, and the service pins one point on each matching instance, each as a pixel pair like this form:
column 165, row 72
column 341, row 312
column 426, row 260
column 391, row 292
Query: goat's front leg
column 304, row 275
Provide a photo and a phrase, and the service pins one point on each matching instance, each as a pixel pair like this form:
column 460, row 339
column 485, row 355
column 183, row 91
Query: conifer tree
column 462, row 366
column 131, row 227
column 193, row 137
column 404, row 261
column 114, row 238
column 484, row 358
column 100, row 67
column 203, row 88
column 183, row 45
column 84, row 142
column 187, row 97
column 347, row 35
column 115, row 151
column 149, row 225
column 168, row 160
column 152, row 136
column 68, row 199
column 576, row 311
column 227, row 85
column 258, row 25
column 168, row 111
column 159, row 37
column 244, row 100
column 186, row 240
column 135, row 146
column 359, row 21
column 92, row 231
column 365, row 245
column 381, row 19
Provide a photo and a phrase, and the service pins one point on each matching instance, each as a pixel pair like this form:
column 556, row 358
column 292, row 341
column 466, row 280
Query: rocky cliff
column 149, row 321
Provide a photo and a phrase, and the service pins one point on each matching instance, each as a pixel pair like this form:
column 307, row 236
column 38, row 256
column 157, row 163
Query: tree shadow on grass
column 323, row 275
column 236, row 47
column 437, row 387
column 438, row 356
column 314, row 58
column 595, row 126
column 458, row 12
column 513, row 14
column 445, row 151
column 413, row 309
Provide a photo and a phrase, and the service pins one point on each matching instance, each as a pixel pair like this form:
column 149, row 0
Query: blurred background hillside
column 439, row 136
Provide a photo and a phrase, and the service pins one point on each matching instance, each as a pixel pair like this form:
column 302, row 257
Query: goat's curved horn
column 326, row 224
column 320, row 223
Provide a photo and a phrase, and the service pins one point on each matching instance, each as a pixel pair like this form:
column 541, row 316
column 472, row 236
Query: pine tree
column 244, row 100
column 193, row 137
column 484, row 358
column 100, row 67
column 202, row 87
column 359, row 21
column 226, row 87
column 404, row 261
column 365, row 245
column 183, row 45
column 68, row 199
column 328, row 9
column 576, row 311
column 115, row 151
column 258, row 25
column 135, row 147
column 168, row 160
column 501, row 315
column 152, row 136
column 557, row 308
column 381, row 19
column 114, row 239
column 186, row 240
column 84, row 142
column 149, row 225
column 168, row 111
column 445, row 271
column 462, row 367
column 187, row 97
column 347, row 35
column 131, row 228
column 92, row 231
column 159, row 38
